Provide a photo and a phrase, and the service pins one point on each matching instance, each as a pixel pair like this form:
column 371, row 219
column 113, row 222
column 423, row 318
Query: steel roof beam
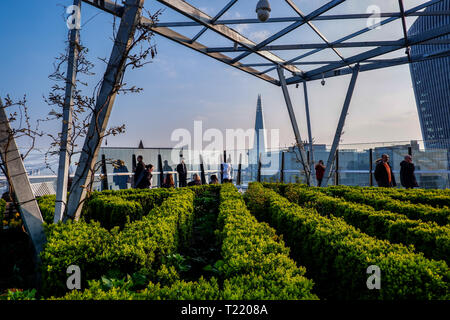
column 187, row 42
column 328, row 6
column 195, row 14
column 303, row 46
column 117, row 10
column 294, row 19
column 432, row 34
column 221, row 13
column 314, row 28
column 381, row 64
column 360, row 32
column 405, row 28
column 109, row 6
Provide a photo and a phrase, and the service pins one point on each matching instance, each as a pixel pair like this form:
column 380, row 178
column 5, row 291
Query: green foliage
column 47, row 206
column 113, row 211
column 139, row 247
column 337, row 255
column 433, row 197
column 15, row 294
column 256, row 263
column 380, row 201
column 2, row 209
column 116, row 208
column 120, row 290
column 431, row 239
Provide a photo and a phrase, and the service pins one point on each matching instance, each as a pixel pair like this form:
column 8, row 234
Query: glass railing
column 354, row 165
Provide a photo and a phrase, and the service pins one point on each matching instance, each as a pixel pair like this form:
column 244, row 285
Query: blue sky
column 181, row 85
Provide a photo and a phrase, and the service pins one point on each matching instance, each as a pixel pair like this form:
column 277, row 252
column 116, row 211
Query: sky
column 182, row 86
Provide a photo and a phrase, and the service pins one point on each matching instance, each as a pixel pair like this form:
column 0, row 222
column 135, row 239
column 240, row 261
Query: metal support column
column 298, row 137
column 103, row 108
column 308, row 123
column 282, row 167
column 337, row 136
column 64, row 158
column 18, row 178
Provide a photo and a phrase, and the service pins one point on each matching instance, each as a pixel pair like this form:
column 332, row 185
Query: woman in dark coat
column 407, row 176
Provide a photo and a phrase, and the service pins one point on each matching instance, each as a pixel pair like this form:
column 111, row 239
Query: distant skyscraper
column 259, row 143
column 431, row 81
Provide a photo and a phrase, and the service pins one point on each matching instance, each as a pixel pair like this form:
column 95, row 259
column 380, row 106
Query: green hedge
column 2, row 210
column 256, row 263
column 435, row 198
column 113, row 211
column 47, row 206
column 337, row 255
column 178, row 290
column 431, row 239
column 139, row 247
column 112, row 207
column 382, row 202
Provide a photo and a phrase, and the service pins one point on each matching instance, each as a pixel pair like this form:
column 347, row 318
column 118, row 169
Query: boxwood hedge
column 337, row 255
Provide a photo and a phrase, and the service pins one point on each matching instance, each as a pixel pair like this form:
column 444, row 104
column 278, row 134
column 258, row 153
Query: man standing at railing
column 407, row 176
column 120, row 180
column 383, row 173
column 182, row 173
column 139, row 173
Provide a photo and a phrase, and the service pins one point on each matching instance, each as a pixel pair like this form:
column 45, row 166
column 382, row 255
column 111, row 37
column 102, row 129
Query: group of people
column 385, row 177
column 143, row 177
column 383, row 173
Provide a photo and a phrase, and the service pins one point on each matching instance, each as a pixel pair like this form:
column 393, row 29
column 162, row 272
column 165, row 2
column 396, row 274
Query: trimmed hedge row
column 435, row 198
column 255, row 265
column 139, row 247
column 337, row 255
column 382, row 202
column 178, row 290
column 256, row 262
column 431, row 239
column 112, row 207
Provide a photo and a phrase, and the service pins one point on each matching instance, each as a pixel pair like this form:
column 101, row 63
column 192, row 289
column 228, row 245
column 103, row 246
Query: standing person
column 182, row 173
column 196, row 181
column 168, row 181
column 214, row 179
column 146, row 182
column 139, row 173
column 383, row 173
column 120, row 180
column 407, row 176
column 320, row 170
column 227, row 171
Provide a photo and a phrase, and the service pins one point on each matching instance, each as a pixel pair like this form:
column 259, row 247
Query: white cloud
column 260, row 35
